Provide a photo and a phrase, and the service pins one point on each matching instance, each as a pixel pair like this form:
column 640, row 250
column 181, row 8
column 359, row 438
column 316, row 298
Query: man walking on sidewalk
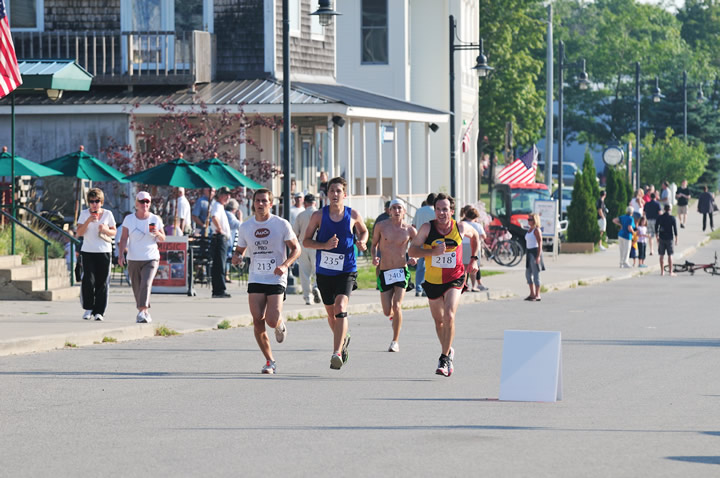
column 306, row 261
column 666, row 231
column 267, row 238
column 336, row 266
column 390, row 243
column 440, row 242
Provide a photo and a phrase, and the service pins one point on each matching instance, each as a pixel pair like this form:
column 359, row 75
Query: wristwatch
column 474, row 257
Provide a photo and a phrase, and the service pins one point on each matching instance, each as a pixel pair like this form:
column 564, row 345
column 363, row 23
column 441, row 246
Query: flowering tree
column 195, row 134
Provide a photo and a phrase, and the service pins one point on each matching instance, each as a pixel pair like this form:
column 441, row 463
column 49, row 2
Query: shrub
column 27, row 245
column 582, row 217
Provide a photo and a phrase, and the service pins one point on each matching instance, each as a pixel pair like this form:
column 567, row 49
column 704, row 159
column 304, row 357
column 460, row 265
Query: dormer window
column 26, row 15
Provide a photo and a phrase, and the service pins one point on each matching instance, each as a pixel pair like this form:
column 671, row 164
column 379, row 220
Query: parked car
column 566, row 198
column 569, row 170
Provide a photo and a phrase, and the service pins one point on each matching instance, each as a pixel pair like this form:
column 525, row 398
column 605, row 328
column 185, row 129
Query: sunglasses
column 94, row 201
column 144, row 201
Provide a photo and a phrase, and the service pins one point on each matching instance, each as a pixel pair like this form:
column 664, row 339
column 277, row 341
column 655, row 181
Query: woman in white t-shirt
column 140, row 234
column 97, row 228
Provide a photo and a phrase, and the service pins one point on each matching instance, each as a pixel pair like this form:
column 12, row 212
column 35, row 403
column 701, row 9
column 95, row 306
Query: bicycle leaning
column 712, row 268
column 500, row 247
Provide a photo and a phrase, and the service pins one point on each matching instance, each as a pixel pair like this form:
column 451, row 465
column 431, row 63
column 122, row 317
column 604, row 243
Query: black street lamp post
column 700, row 98
column 583, row 83
column 482, row 70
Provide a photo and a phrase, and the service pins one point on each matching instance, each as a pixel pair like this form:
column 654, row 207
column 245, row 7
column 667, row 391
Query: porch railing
column 126, row 57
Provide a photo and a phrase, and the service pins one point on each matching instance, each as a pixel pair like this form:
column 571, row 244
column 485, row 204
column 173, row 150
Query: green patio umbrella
column 229, row 176
column 178, row 173
column 24, row 167
column 84, row 166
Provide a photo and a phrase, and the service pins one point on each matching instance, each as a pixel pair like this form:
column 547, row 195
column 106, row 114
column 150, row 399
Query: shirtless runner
column 391, row 239
column 440, row 241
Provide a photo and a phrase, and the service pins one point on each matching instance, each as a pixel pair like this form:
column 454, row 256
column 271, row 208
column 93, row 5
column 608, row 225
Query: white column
column 330, row 147
column 396, row 181
column 427, row 159
column 363, row 179
column 351, row 160
column 408, row 158
column 378, row 147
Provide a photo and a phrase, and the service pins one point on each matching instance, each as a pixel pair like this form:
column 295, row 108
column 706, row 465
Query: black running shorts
column 435, row 291
column 267, row 289
column 333, row 286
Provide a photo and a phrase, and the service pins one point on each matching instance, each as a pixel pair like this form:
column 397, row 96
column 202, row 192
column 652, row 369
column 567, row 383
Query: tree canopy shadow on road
column 650, row 342
column 708, row 460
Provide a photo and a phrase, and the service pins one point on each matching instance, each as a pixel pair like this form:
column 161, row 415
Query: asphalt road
column 641, row 395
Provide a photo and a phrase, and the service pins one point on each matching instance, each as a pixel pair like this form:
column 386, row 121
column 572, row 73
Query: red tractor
column 510, row 205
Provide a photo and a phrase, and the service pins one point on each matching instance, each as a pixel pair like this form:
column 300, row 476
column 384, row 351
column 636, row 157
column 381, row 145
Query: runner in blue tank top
column 335, row 266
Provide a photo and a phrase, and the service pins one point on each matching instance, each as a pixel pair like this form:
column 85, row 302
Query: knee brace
column 341, row 315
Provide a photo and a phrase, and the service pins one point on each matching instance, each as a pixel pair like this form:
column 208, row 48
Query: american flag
column 9, row 72
column 522, row 170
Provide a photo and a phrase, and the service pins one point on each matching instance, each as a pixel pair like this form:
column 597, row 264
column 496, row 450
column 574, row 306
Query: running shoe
column 346, row 343
column 88, row 315
column 443, row 366
column 336, row 362
column 99, row 317
column 451, row 361
column 394, row 347
column 280, row 332
column 269, row 367
column 140, row 319
column 316, row 295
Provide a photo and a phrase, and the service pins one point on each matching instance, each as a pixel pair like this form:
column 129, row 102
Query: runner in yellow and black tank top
column 445, row 270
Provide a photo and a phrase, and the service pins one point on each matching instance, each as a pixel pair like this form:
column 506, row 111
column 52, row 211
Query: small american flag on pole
column 9, row 71
column 522, row 170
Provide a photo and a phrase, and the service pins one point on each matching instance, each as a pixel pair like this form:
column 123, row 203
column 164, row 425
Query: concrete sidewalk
column 27, row 327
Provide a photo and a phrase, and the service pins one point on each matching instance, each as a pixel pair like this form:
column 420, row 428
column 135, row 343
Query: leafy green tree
column 588, row 170
column 617, row 199
column 513, row 36
column 582, row 217
column 671, row 159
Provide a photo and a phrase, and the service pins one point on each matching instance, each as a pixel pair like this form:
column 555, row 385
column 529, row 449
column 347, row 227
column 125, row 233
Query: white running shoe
column 99, row 317
column 451, row 361
column 394, row 347
column 143, row 317
column 280, row 332
column 316, row 295
column 336, row 362
column 269, row 367
column 88, row 315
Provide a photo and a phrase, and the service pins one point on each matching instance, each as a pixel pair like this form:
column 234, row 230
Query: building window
column 374, row 32
column 294, row 8
column 26, row 15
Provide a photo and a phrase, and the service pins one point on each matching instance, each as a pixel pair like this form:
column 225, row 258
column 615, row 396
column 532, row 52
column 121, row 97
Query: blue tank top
column 340, row 260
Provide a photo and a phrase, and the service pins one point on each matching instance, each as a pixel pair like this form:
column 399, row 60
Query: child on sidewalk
column 642, row 237
column 634, row 247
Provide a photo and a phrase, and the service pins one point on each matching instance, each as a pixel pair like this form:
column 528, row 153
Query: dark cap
column 309, row 198
column 223, row 190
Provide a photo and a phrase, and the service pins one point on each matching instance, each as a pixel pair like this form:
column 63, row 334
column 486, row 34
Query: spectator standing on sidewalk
column 97, row 228
column 637, row 204
column 140, row 234
column 683, row 197
column 666, row 231
column 652, row 210
column 602, row 211
column 220, row 228
column 422, row 216
column 665, row 195
column 200, row 210
column 474, row 281
column 306, row 261
column 642, row 233
column 706, row 207
column 625, row 234
column 533, row 260
column 297, row 207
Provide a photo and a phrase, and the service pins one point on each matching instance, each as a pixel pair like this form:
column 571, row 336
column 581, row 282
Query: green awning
column 53, row 75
